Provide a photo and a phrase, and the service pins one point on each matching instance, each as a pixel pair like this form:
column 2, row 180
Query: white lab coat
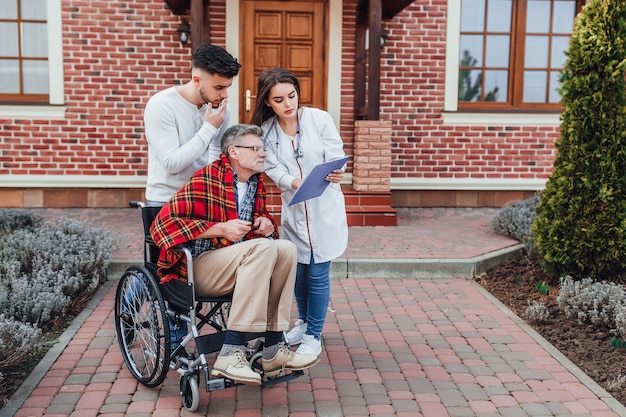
column 318, row 224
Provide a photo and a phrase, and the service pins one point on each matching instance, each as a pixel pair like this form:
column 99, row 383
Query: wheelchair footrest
column 214, row 384
column 209, row 343
column 283, row 378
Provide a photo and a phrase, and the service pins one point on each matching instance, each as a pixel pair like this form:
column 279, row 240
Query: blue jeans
column 312, row 292
column 133, row 297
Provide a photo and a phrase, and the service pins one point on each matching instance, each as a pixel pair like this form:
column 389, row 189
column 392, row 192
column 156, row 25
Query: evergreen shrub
column 580, row 226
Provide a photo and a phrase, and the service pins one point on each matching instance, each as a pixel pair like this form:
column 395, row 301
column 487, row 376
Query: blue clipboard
column 315, row 183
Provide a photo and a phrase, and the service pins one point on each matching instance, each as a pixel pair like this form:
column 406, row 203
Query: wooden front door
column 287, row 34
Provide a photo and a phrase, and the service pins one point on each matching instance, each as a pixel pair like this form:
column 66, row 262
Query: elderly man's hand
column 236, row 229
column 263, row 226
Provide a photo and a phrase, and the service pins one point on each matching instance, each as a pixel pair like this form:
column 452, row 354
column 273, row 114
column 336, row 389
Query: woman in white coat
column 297, row 139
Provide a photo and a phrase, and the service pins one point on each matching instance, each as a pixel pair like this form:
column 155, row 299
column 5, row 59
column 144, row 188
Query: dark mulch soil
column 587, row 346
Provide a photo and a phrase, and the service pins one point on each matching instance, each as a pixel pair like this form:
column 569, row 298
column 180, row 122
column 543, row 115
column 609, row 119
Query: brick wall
column 118, row 54
column 412, row 98
column 372, row 156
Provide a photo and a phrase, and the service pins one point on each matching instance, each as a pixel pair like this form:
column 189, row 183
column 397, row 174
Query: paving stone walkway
column 393, row 346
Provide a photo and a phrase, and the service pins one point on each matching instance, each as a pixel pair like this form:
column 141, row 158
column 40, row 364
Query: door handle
column 249, row 98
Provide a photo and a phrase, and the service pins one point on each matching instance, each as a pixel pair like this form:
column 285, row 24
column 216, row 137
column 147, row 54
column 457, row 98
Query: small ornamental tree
column 580, row 222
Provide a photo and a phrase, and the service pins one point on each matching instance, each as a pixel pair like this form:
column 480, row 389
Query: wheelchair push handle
column 135, row 204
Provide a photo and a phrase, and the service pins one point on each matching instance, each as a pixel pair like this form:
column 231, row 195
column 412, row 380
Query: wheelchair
column 144, row 311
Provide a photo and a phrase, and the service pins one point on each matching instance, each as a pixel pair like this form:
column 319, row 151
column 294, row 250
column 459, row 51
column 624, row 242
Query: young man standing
column 184, row 124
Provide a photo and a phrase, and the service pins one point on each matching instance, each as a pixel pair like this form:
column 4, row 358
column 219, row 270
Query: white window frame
column 55, row 109
column 451, row 114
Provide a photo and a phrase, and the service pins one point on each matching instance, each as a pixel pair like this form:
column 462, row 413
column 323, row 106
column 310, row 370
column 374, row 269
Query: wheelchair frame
column 143, row 309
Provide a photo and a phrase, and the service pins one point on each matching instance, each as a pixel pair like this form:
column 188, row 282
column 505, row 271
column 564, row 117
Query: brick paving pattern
column 392, row 347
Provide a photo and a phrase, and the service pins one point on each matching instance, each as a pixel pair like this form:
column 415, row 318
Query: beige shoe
column 286, row 359
column 235, row 366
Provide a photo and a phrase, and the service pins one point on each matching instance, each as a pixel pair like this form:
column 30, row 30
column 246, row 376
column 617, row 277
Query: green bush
column 515, row 219
column 599, row 303
column 17, row 340
column 45, row 268
column 580, row 223
column 42, row 271
column 16, row 219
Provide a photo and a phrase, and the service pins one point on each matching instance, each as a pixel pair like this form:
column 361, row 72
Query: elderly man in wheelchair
column 216, row 236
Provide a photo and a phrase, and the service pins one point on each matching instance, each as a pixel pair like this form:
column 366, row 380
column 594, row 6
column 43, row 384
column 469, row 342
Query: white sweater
column 179, row 142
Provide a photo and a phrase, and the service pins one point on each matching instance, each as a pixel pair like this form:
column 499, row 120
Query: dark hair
column 268, row 79
column 215, row 60
column 234, row 135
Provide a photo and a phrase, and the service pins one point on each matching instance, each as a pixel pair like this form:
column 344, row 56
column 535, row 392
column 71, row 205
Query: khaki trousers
column 260, row 272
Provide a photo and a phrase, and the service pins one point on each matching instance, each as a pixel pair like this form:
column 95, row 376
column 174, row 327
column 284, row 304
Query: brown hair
column 268, row 79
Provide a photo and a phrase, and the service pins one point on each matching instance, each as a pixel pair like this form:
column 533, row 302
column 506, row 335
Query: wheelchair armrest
column 179, row 292
column 181, row 248
column 189, row 259
column 186, row 251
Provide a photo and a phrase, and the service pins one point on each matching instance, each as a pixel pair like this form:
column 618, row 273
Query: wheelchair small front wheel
column 142, row 326
column 189, row 392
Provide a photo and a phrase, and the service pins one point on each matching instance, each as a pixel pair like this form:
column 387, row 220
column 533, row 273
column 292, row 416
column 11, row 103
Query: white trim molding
column 32, row 112
column 467, row 184
column 72, row 181
column 335, row 42
column 55, row 52
column 139, row 182
column 501, row 119
column 453, row 35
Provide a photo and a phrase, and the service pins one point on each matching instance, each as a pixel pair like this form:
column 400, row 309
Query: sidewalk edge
column 423, row 268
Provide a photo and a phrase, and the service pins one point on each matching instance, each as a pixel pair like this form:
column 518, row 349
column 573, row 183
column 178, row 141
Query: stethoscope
column 297, row 153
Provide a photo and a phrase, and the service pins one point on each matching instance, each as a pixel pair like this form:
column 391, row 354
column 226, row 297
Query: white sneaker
column 295, row 335
column 310, row 346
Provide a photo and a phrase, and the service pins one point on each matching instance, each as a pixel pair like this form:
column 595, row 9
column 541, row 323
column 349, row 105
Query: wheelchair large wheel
column 142, row 326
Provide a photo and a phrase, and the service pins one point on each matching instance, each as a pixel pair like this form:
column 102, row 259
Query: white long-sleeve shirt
column 319, row 224
column 179, row 142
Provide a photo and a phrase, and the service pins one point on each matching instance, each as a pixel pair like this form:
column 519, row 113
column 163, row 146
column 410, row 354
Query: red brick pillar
column 371, row 171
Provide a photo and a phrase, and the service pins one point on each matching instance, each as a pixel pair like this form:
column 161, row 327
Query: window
column 511, row 53
column 24, row 62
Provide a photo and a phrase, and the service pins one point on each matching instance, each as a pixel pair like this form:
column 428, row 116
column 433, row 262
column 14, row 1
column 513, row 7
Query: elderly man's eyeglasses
column 257, row 148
